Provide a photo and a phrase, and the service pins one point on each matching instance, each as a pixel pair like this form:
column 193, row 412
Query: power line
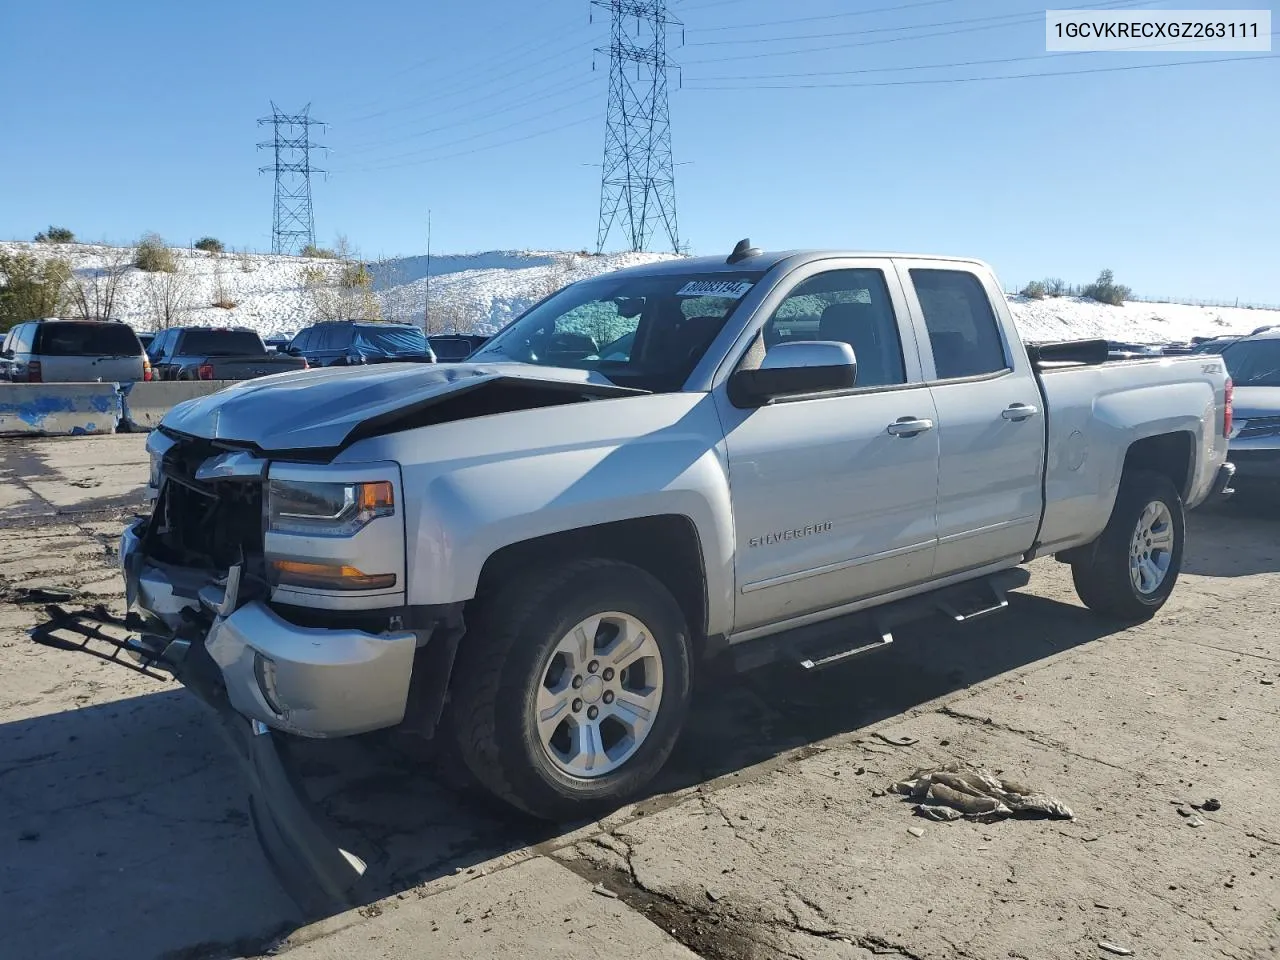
column 637, row 182
column 492, row 146
column 1012, row 76
column 554, row 90
column 519, row 50
column 921, row 66
column 1108, row 4
column 476, row 136
column 468, row 84
column 293, row 219
column 823, row 16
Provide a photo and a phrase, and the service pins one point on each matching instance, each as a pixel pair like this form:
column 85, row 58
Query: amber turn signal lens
column 377, row 498
column 328, row 576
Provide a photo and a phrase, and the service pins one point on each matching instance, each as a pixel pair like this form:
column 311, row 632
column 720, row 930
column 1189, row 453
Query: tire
column 515, row 653
column 1103, row 575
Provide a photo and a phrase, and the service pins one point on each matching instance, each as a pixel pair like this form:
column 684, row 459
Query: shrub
column 55, row 235
column 355, row 276
column 1054, row 287
column 311, row 250
column 153, row 256
column 210, row 245
column 1035, row 290
column 1106, row 290
column 30, row 287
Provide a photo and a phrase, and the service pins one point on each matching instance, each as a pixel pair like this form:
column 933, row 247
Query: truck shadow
column 134, row 813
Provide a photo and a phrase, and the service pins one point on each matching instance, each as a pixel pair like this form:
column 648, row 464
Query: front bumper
column 309, row 681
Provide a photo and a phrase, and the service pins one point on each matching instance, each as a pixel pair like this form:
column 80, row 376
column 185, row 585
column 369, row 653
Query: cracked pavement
column 124, row 831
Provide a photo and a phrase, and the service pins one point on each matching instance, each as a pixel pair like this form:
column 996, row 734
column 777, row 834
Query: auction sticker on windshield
column 715, row 288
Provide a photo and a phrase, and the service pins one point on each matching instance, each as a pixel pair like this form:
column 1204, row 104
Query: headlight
column 326, row 509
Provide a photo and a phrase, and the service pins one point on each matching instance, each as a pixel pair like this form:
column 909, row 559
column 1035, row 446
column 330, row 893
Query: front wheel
column 572, row 687
column 1133, row 566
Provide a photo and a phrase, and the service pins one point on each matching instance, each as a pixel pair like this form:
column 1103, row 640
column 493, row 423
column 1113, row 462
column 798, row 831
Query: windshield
column 222, row 343
column 1254, row 363
column 645, row 332
column 88, row 339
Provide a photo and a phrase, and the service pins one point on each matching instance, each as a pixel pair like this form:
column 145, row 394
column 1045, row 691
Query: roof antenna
column 742, row 251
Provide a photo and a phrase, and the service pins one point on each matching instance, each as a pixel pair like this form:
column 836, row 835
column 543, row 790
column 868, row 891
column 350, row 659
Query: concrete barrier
column 59, row 408
column 145, row 404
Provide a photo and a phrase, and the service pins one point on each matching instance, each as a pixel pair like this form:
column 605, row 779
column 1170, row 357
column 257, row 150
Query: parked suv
column 74, row 351
column 341, row 343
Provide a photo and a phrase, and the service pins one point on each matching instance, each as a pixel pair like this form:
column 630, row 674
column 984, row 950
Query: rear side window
column 451, row 348
column 848, row 305
column 962, row 326
column 222, row 343
column 88, row 339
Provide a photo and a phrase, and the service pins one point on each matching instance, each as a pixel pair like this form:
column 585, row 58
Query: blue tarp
column 386, row 343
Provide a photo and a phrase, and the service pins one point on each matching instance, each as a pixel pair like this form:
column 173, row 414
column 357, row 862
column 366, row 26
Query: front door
column 991, row 425
column 830, row 504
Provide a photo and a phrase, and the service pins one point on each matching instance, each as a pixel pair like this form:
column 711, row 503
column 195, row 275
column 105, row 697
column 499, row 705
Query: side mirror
column 794, row 369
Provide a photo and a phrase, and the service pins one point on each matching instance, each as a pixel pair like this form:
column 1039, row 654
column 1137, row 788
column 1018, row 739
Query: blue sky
column 127, row 117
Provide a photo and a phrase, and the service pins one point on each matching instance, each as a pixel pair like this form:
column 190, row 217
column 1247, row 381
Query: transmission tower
column 293, row 225
column 638, row 183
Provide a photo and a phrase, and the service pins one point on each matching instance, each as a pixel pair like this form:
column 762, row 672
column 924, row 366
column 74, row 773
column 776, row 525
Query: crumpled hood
column 1255, row 402
column 318, row 409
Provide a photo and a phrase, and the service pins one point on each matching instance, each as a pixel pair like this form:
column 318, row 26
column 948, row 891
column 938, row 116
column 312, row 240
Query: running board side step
column 845, row 638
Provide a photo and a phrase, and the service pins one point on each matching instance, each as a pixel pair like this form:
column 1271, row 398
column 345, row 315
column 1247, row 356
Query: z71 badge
column 798, row 533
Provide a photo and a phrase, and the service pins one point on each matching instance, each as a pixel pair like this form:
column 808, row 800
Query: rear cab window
column 87, row 339
column 222, row 343
column 963, row 330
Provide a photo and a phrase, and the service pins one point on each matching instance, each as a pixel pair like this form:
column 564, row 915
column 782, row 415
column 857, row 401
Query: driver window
column 848, row 305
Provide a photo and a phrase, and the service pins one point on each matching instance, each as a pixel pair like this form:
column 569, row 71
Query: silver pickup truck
column 761, row 457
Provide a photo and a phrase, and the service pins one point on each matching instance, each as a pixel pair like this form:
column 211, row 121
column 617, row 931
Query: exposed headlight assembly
column 326, row 509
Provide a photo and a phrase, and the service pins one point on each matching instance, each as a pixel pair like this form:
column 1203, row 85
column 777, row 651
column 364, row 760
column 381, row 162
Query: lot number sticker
column 733, row 289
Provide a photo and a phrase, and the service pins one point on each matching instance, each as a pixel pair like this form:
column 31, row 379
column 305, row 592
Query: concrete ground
column 124, row 833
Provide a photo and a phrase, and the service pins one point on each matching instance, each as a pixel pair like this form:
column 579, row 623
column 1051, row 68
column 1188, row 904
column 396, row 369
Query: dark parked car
column 216, row 353
column 340, row 343
column 453, row 347
column 1254, row 365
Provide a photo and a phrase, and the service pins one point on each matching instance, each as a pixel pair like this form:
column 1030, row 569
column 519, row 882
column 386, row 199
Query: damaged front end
column 215, row 601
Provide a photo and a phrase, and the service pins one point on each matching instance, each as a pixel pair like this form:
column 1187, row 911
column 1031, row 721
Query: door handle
column 1019, row 411
column 909, row 426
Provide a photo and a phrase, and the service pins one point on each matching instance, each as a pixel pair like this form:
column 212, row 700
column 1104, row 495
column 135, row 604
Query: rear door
column 833, row 501
column 88, row 351
column 991, row 423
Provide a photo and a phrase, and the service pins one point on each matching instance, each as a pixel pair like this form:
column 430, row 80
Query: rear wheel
column 1133, row 566
column 572, row 687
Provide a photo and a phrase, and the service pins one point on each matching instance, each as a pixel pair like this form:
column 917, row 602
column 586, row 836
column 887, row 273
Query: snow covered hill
column 480, row 292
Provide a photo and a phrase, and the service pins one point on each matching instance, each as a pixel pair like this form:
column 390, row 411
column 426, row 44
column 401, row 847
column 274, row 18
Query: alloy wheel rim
column 598, row 695
column 1151, row 548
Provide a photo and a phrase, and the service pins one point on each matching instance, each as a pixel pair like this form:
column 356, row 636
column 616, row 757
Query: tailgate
column 247, row 368
column 54, row 369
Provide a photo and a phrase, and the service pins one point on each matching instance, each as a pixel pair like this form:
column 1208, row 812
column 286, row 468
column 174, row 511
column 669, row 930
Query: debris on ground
column 1115, row 948
column 1211, row 805
column 896, row 741
column 1195, row 822
column 915, row 831
column 604, row 891
column 976, row 794
column 42, row 595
